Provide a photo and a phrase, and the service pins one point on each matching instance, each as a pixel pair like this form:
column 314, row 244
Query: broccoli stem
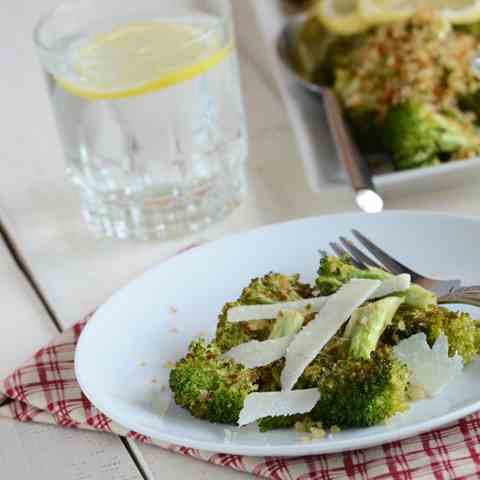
column 287, row 323
column 417, row 296
column 367, row 325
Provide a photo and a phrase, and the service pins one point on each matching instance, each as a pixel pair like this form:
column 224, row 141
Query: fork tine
column 358, row 254
column 340, row 251
column 390, row 263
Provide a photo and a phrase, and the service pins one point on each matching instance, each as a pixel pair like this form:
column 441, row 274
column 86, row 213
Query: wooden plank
column 24, row 327
column 37, row 451
column 160, row 462
column 31, row 451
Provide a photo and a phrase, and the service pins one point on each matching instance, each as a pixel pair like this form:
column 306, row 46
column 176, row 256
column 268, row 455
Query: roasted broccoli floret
column 366, row 127
column 459, row 328
column 471, row 102
column 317, row 53
column 272, row 288
column 354, row 392
column 364, row 384
column 336, row 271
column 361, row 381
column 358, row 392
column 470, row 28
column 335, row 56
column 275, row 423
column 269, row 376
column 309, row 48
column 417, row 135
column 209, row 385
column 360, row 384
column 229, row 335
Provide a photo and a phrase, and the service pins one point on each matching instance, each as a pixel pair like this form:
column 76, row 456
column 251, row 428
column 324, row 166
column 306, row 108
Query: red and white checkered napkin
column 45, row 390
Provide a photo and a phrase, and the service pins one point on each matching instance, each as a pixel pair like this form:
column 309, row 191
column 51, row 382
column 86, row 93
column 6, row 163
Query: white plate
column 128, row 341
column 309, row 125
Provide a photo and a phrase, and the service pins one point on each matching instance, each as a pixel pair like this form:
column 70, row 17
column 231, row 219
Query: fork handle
column 347, row 151
column 463, row 296
column 353, row 162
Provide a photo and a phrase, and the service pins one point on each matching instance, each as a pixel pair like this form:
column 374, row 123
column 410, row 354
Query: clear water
column 159, row 164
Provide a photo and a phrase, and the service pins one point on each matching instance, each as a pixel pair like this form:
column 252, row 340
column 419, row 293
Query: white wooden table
column 53, row 271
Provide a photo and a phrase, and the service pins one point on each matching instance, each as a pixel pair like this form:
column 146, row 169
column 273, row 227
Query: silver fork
column 448, row 291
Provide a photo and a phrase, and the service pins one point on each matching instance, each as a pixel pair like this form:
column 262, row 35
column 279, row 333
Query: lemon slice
column 139, row 58
column 341, row 16
column 384, row 11
column 461, row 11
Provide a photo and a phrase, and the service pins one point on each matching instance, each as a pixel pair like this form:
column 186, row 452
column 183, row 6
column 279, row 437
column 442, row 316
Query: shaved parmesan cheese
column 431, row 368
column 399, row 283
column 275, row 404
column 247, row 313
column 312, row 338
column 257, row 354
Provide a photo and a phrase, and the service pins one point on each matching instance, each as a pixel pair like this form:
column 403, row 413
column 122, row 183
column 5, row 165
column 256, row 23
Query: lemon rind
column 168, row 80
column 349, row 24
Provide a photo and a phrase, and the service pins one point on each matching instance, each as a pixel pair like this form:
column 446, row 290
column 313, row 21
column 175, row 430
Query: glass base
column 158, row 219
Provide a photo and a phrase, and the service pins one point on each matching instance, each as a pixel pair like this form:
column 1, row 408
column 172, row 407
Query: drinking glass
column 148, row 106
